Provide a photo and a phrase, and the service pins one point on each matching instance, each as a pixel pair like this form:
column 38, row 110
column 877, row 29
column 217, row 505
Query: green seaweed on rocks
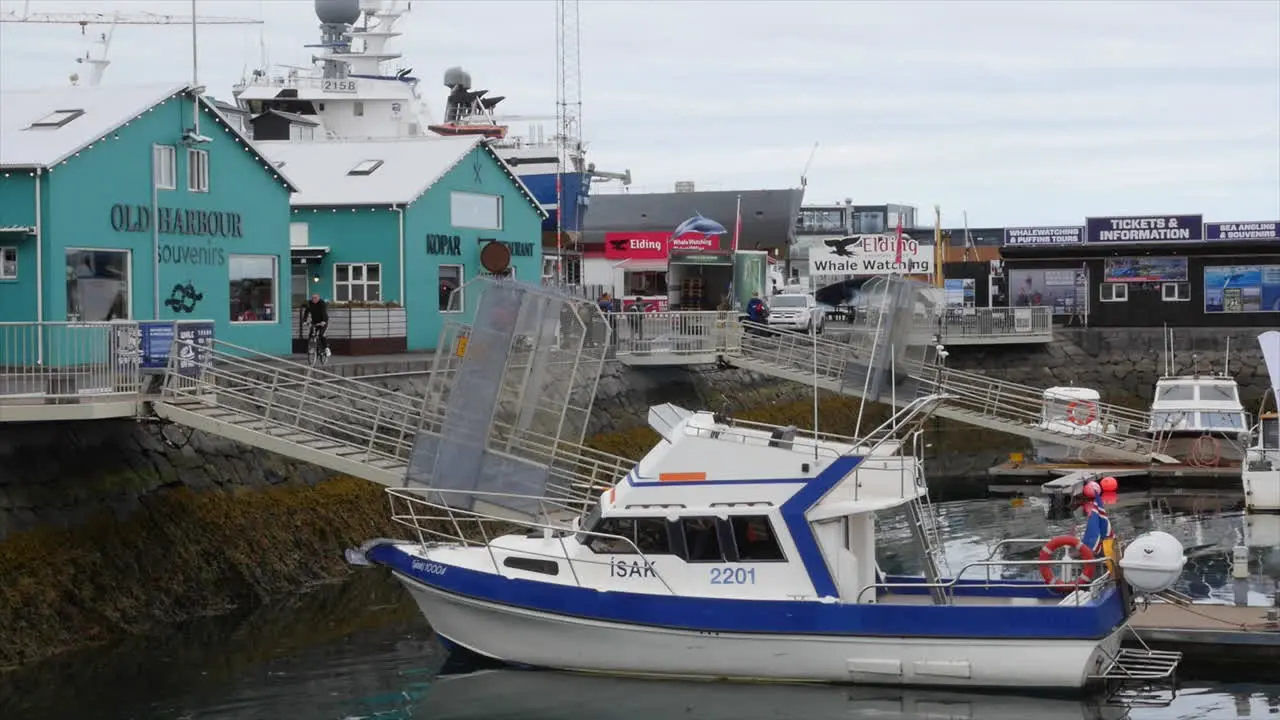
column 183, row 554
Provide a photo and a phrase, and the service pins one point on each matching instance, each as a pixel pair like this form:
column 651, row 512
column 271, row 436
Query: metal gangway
column 840, row 366
column 343, row 424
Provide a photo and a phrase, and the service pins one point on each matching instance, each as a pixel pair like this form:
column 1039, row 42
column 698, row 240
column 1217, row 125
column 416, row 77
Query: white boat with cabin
column 1260, row 472
column 735, row 550
column 1071, row 411
column 1199, row 419
column 732, row 549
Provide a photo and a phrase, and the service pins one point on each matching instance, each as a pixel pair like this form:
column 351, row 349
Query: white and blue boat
column 741, row 551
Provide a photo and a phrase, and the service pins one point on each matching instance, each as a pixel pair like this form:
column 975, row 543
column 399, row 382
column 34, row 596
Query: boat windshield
column 1218, row 393
column 1271, row 433
column 589, row 523
column 1222, row 421
column 1169, row 420
column 1176, row 393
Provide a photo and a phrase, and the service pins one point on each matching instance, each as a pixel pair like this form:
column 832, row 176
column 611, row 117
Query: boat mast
column 568, row 113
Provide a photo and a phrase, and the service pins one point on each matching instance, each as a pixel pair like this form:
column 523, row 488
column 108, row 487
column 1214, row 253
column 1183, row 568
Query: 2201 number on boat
column 733, row 576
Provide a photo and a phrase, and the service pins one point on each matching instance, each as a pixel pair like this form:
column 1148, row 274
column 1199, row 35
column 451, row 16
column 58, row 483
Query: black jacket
column 317, row 311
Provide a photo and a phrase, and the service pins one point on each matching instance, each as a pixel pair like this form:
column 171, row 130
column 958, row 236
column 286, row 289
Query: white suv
column 796, row 311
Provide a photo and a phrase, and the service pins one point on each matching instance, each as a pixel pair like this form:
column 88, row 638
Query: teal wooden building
column 403, row 224
column 139, row 203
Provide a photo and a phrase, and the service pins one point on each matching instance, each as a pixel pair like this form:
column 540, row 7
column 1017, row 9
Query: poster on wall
column 1063, row 289
column 961, row 293
column 1242, row 288
column 1145, row 269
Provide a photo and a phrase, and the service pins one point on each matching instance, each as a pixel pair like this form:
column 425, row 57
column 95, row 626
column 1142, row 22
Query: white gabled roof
column 99, row 111
column 105, row 109
column 405, row 168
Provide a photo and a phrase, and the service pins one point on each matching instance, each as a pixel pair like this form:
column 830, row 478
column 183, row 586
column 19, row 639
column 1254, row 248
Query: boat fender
column 1047, row 562
column 1082, row 417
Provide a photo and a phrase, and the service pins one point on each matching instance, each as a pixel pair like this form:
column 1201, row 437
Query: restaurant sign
column 1144, row 229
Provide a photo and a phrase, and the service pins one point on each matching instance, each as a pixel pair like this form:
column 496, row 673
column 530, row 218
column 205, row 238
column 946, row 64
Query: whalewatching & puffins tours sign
column 1033, row 236
column 870, row 255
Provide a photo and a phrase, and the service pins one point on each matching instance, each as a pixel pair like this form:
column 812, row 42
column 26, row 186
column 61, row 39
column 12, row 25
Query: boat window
column 1168, row 420
column 546, row 567
column 1218, row 393
column 623, row 528
column 754, row 537
column 1271, row 433
column 1222, row 420
column 650, row 535
column 702, row 539
column 1176, row 393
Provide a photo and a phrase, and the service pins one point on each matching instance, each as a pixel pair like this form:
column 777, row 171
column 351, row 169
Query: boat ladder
column 924, row 527
column 1137, row 675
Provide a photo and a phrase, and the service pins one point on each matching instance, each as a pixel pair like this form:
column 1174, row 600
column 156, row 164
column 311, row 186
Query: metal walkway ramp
column 841, row 367
column 345, row 425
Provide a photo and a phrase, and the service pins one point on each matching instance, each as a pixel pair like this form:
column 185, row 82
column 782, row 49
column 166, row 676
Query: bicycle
column 314, row 355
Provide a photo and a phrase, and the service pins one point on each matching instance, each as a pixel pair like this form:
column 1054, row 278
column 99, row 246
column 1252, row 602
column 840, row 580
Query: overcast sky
column 1018, row 112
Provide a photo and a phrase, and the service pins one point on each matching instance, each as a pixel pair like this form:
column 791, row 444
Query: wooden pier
column 1067, row 480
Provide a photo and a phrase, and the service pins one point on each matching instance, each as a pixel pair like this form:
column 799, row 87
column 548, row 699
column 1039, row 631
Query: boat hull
column 525, row 637
column 576, row 187
column 1191, row 449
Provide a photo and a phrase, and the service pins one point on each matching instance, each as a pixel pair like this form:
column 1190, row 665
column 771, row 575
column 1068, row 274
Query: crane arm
column 141, row 18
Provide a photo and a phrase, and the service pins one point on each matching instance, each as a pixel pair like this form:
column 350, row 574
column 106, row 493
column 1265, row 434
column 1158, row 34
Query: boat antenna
column 813, row 334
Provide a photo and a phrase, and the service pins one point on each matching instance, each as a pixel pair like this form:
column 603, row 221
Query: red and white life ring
column 1088, row 416
column 1047, row 561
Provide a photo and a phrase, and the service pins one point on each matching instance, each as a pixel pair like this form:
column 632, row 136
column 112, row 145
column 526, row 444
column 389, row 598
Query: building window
column 8, row 263
column 98, row 285
column 253, row 288
column 450, row 280
column 165, row 159
column 357, row 282
column 197, row 170
column 357, row 108
column 473, row 210
column 1175, row 292
column 365, row 167
column 57, row 118
column 755, row 539
column 645, row 283
column 1113, row 292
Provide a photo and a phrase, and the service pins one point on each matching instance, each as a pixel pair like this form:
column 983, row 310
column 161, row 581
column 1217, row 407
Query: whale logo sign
column 697, row 233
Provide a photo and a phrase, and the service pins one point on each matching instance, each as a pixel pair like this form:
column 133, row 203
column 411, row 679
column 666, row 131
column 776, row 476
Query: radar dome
column 338, row 12
column 457, row 76
column 1153, row 562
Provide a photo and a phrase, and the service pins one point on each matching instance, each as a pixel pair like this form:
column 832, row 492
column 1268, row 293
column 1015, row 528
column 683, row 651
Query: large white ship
column 355, row 89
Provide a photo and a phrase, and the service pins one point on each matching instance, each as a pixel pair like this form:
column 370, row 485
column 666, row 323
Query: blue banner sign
column 1144, row 269
column 1030, row 236
column 1144, row 229
column 157, row 344
column 1242, row 230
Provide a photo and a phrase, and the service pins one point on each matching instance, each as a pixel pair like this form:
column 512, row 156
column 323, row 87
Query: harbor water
column 360, row 650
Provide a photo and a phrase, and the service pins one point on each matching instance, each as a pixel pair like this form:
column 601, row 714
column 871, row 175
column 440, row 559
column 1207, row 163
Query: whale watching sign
column 1031, row 236
column 1144, row 229
column 870, row 255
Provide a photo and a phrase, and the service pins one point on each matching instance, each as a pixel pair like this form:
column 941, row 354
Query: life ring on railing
column 1074, row 417
column 1202, row 457
column 1047, row 561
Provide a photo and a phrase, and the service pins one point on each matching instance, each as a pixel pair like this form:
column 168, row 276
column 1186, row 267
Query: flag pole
column 967, row 242
column 938, row 257
column 737, row 224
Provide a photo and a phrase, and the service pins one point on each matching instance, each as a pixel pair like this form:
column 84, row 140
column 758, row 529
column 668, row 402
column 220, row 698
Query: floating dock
column 1069, row 479
column 1218, row 642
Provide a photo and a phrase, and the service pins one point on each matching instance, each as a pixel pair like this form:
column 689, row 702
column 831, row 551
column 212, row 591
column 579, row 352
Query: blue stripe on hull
column 577, row 190
column 1092, row 621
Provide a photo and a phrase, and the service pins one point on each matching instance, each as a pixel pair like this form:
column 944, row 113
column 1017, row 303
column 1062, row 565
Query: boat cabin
column 1198, row 404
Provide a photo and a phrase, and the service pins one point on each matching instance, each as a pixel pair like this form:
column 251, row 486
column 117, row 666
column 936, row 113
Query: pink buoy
column 1092, row 489
column 1110, row 484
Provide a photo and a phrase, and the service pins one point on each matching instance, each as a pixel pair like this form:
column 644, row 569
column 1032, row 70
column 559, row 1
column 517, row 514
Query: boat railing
column 431, row 515
column 1083, row 591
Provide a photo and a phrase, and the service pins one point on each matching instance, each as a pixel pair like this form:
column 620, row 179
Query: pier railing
column 680, row 334
column 43, row 362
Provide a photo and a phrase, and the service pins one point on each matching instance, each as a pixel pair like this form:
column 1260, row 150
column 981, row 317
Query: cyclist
column 318, row 312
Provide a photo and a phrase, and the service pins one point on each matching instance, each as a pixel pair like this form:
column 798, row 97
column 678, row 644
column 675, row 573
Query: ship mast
column 568, row 113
